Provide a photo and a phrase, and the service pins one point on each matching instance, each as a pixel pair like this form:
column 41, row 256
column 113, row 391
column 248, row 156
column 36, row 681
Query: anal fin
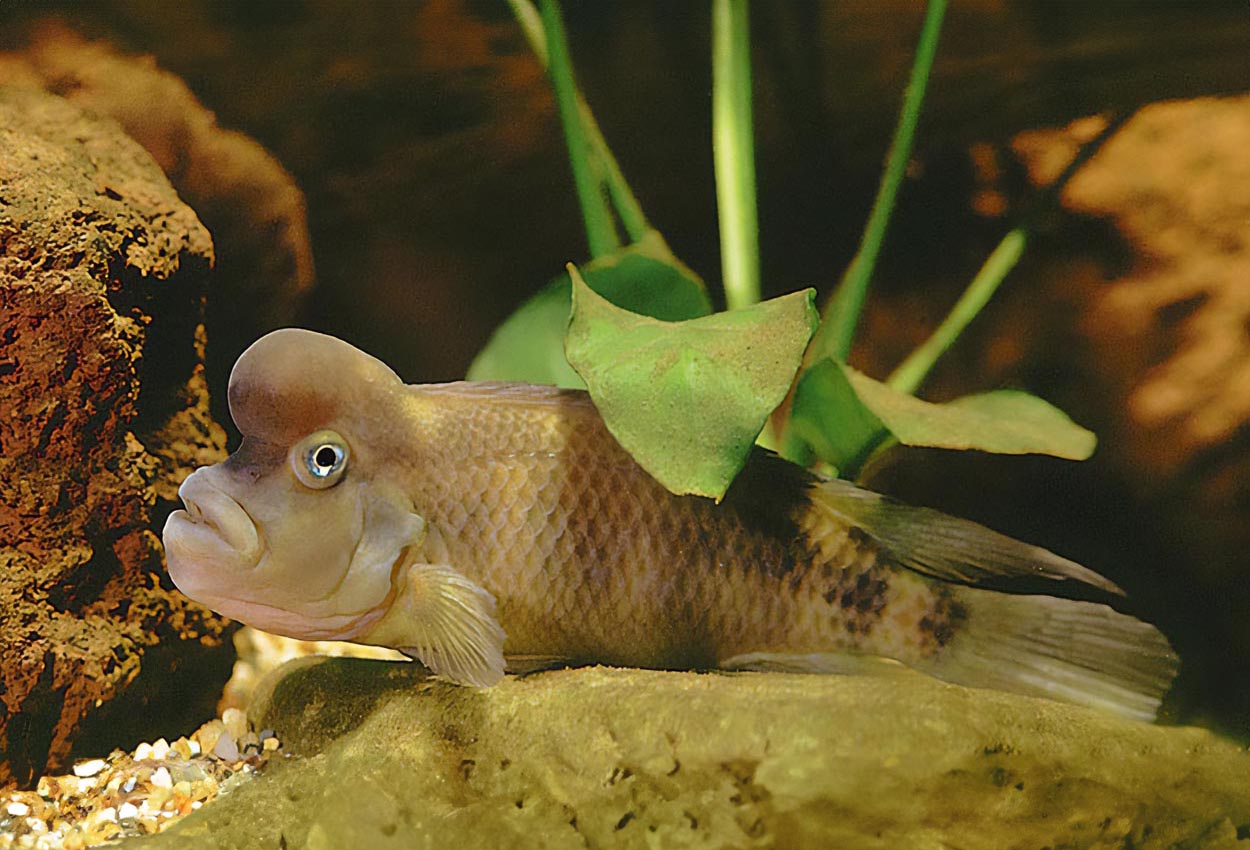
column 838, row 663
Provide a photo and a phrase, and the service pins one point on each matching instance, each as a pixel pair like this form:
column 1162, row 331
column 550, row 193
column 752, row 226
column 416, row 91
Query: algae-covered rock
column 629, row 758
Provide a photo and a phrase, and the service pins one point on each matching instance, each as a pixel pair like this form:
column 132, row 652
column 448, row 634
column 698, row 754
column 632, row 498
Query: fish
column 483, row 528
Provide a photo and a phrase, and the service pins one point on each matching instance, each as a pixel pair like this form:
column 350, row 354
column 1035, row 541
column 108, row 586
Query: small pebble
column 208, row 734
column 226, row 749
column 161, row 778
column 235, row 722
column 85, row 769
column 121, row 796
column 181, row 747
column 157, row 799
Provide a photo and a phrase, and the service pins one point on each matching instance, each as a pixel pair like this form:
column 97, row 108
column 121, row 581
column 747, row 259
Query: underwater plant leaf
column 844, row 415
column 686, row 399
column 644, row 278
column 829, row 416
column 1015, row 422
column 529, row 345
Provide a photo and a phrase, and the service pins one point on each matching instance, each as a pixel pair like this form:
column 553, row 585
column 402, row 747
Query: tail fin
column 1080, row 652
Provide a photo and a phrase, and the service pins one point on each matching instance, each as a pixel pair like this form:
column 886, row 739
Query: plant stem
column 837, row 330
column 623, row 198
column 526, row 14
column 733, row 148
column 596, row 214
column 911, row 372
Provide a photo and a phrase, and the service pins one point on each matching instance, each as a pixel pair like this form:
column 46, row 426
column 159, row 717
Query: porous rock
column 263, row 265
column 102, row 410
column 384, row 757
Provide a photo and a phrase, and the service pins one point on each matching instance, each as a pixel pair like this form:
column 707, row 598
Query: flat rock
column 384, row 757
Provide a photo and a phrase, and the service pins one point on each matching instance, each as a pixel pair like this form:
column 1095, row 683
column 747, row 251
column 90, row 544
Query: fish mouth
column 214, row 529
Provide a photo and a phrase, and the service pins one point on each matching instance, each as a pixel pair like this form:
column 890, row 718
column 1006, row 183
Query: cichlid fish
column 480, row 527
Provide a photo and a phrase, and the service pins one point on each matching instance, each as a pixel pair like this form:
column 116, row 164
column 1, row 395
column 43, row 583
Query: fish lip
column 283, row 621
column 213, row 523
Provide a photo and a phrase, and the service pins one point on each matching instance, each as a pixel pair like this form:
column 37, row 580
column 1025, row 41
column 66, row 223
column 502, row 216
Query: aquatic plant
column 634, row 325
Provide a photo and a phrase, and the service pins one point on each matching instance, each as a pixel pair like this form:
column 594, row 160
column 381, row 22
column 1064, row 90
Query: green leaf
column 845, row 415
column 829, row 417
column 529, row 345
column 644, row 278
column 687, row 399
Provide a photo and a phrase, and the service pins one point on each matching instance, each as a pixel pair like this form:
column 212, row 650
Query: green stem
column 526, row 14
column 733, row 148
column 837, row 330
column 623, row 198
column 596, row 214
column 911, row 372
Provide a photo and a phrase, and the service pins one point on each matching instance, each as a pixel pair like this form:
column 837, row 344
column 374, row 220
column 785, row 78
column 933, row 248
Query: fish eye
column 320, row 459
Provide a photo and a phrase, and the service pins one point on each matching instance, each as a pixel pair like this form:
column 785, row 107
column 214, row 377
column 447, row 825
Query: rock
column 103, row 409
column 263, row 265
column 635, row 758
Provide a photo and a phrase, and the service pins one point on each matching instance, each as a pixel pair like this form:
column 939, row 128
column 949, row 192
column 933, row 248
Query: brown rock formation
column 243, row 195
column 102, row 408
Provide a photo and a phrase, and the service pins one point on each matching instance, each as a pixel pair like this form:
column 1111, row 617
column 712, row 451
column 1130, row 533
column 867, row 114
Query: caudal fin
column 1080, row 652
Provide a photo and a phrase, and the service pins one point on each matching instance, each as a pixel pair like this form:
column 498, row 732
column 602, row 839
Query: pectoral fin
column 447, row 622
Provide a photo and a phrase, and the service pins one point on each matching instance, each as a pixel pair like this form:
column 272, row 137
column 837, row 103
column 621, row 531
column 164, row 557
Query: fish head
column 301, row 530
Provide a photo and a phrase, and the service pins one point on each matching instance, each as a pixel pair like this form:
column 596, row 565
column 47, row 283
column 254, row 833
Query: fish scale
column 646, row 577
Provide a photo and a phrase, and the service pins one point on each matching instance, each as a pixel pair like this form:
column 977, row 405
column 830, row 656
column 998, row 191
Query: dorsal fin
column 508, row 392
column 945, row 547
